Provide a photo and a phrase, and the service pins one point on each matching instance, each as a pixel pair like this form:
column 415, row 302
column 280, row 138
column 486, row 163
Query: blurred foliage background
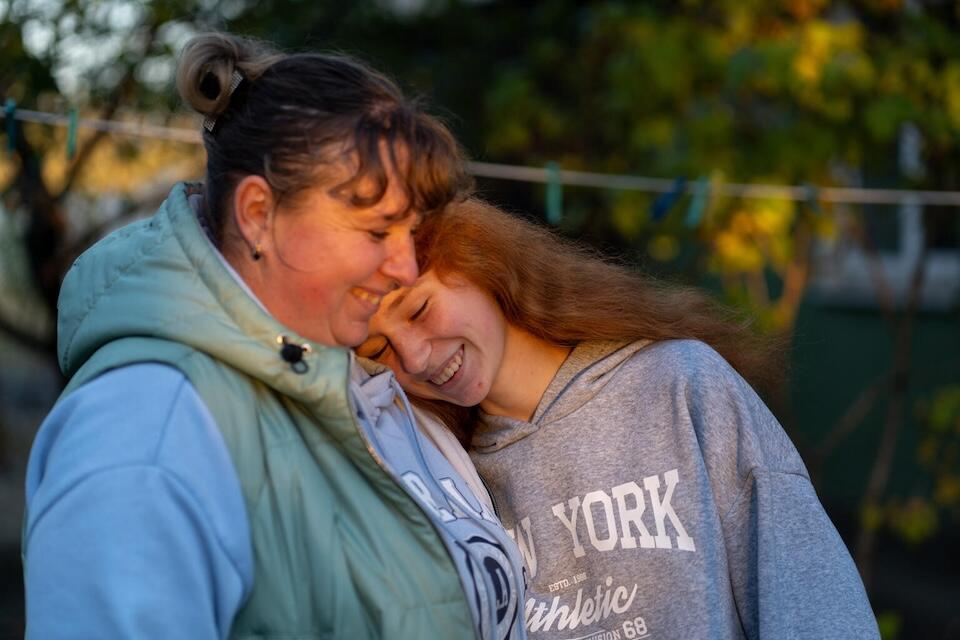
column 816, row 93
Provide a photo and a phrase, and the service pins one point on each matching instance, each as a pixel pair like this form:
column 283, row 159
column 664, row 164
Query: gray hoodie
column 654, row 495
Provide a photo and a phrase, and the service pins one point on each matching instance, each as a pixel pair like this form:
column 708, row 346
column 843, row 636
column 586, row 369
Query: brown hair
column 292, row 114
column 564, row 292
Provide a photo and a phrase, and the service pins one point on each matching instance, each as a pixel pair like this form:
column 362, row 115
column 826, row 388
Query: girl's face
column 443, row 340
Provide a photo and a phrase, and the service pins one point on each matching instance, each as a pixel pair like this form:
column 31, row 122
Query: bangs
column 421, row 154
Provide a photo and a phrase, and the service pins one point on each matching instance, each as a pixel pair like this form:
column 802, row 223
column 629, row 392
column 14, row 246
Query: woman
column 219, row 465
column 650, row 490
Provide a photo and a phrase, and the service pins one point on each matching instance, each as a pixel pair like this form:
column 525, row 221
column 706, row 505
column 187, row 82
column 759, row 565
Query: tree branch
column 795, row 279
column 852, row 418
column 120, row 93
column 893, row 422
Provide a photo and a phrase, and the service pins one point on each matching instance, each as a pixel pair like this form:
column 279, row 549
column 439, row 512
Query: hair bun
column 210, row 86
column 207, row 66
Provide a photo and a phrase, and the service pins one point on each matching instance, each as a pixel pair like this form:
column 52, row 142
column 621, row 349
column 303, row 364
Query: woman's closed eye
column 374, row 348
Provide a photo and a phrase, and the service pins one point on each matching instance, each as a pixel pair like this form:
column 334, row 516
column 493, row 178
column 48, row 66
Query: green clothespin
column 698, row 203
column 554, row 194
column 10, row 113
column 72, row 134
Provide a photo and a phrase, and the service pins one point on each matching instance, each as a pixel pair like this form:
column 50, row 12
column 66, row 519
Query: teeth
column 451, row 368
column 369, row 297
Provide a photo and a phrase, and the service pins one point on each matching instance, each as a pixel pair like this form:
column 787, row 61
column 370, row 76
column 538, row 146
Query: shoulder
column 142, row 418
column 726, row 414
column 684, row 358
column 123, row 416
column 128, row 477
column 689, row 365
column 643, row 373
column 689, row 368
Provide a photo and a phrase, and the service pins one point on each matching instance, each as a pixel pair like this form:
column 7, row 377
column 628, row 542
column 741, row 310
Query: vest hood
column 584, row 374
column 162, row 278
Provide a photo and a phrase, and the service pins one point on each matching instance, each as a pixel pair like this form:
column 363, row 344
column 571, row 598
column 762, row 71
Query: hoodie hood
column 162, row 278
column 586, row 371
column 375, row 388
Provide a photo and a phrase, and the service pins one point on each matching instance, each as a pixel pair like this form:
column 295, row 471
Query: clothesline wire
column 111, row 126
column 797, row 193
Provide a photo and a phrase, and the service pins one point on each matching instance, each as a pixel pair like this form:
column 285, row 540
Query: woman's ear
column 253, row 205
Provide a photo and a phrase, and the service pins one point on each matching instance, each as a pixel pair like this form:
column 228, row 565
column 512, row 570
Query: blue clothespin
column 698, row 204
column 665, row 201
column 554, row 194
column 72, row 134
column 9, row 114
column 812, row 199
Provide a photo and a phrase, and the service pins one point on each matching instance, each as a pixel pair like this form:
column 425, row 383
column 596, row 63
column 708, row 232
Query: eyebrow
column 396, row 216
column 398, row 300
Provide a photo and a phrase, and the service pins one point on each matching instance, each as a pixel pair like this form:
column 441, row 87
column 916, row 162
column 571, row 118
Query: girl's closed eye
column 378, row 236
column 419, row 312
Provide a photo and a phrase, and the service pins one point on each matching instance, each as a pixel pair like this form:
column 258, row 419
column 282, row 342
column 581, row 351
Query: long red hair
column 564, row 292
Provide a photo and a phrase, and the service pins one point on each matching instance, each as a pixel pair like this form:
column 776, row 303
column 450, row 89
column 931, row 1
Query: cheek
column 330, row 285
column 364, row 257
column 481, row 314
column 480, row 390
column 306, row 249
column 448, row 320
column 316, row 293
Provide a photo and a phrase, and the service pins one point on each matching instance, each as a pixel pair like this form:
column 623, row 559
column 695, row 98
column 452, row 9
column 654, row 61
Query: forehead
column 318, row 204
column 394, row 301
column 351, row 173
column 337, row 184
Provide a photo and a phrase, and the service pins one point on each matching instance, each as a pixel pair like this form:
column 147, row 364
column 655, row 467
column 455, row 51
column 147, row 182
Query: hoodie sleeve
column 791, row 572
column 136, row 526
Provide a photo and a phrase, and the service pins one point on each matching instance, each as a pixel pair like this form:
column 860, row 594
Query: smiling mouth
column 453, row 365
column 366, row 296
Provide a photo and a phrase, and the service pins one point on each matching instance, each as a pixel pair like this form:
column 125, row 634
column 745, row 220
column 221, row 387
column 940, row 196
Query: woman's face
column 443, row 340
column 327, row 265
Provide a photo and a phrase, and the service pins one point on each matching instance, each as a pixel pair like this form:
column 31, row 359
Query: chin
column 464, row 401
column 351, row 340
column 432, row 394
column 352, row 335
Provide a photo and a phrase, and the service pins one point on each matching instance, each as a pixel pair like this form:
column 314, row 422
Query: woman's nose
column 401, row 264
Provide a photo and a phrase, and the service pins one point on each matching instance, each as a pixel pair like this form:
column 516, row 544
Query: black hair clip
column 293, row 353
